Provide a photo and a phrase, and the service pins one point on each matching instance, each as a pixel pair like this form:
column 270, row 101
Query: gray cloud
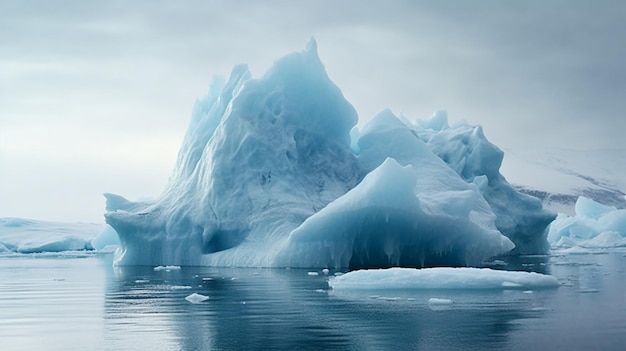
column 114, row 73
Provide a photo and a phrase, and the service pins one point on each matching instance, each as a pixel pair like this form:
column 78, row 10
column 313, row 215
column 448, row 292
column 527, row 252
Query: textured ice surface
column 383, row 222
column 594, row 226
column 468, row 152
column 440, row 278
column 273, row 173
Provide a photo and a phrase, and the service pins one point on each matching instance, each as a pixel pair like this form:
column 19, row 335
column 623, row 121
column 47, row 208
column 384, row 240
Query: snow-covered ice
column 273, row 173
column 464, row 278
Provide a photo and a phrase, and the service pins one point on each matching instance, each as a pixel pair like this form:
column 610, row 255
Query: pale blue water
column 83, row 303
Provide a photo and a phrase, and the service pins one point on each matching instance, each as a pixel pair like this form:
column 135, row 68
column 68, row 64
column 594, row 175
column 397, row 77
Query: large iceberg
column 273, row 173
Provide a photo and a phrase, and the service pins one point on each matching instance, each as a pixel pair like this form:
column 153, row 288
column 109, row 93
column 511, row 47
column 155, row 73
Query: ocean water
column 81, row 302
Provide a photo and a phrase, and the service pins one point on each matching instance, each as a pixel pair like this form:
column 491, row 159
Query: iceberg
column 26, row 236
column 273, row 172
column 594, row 226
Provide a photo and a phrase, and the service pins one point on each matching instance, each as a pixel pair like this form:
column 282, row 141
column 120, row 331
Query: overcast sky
column 95, row 96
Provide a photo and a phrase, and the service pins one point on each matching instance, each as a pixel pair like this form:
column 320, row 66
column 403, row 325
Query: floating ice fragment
column 384, row 298
column 439, row 301
column 142, row 281
column 538, row 308
column 166, row 268
column 196, row 298
column 312, row 273
column 440, row 278
column 325, row 271
column 180, row 287
column 588, row 291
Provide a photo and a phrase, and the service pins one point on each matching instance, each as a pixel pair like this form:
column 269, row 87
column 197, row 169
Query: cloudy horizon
column 96, row 96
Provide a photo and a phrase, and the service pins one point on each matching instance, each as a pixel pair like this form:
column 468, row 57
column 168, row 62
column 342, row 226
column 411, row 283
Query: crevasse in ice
column 272, row 173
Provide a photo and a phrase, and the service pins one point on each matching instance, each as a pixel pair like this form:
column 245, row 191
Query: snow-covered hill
column 559, row 176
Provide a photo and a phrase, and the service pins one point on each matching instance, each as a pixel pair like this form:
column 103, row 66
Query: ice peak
column 311, row 46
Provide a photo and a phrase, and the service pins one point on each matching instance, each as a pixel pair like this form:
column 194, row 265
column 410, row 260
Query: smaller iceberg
column 25, row 236
column 594, row 226
column 462, row 278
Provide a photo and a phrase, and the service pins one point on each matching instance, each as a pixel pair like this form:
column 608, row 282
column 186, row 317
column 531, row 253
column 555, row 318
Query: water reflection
column 83, row 303
column 290, row 309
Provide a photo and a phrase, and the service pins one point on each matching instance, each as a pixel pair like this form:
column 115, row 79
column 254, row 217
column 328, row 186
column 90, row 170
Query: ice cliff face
column 268, row 175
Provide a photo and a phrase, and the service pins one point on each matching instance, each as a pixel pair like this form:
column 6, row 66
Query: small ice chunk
column 313, row 273
column 142, row 281
column 196, row 298
column 166, row 268
column 325, row 271
column 180, row 287
column 510, row 285
column 588, row 291
column 527, row 292
column 385, row 298
column 439, row 301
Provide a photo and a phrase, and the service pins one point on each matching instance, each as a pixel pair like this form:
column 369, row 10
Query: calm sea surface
column 82, row 302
